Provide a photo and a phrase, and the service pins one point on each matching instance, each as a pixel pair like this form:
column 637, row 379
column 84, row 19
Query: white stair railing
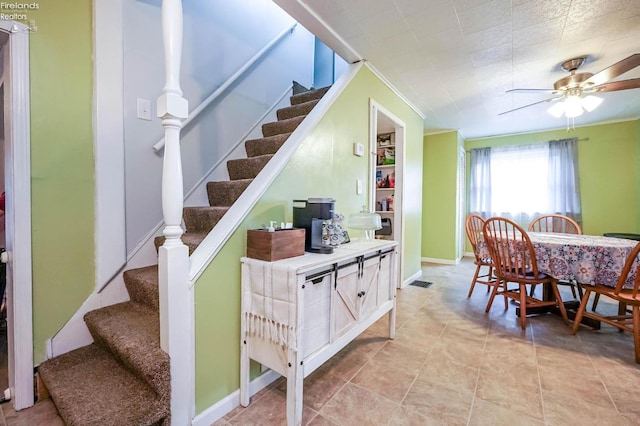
column 176, row 299
column 157, row 147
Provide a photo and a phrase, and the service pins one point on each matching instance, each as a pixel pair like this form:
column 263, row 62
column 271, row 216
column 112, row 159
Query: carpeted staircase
column 123, row 377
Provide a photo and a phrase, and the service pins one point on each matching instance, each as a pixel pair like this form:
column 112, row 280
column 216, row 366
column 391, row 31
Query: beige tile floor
column 452, row 364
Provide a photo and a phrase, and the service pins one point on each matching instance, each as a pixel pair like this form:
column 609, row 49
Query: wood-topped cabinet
column 325, row 303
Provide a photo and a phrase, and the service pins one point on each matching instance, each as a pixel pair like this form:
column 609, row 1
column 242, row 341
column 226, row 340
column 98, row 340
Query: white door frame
column 398, row 217
column 18, row 216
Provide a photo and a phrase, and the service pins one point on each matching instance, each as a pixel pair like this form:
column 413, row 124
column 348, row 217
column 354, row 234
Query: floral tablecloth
column 588, row 259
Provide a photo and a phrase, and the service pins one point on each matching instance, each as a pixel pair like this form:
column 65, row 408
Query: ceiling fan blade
column 531, row 91
column 613, row 71
column 633, row 83
column 535, row 103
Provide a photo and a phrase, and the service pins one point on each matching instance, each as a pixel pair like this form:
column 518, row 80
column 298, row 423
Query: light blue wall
column 219, row 38
column 323, row 64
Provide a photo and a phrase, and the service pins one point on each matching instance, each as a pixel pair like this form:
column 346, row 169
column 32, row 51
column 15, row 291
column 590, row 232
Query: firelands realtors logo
column 16, row 11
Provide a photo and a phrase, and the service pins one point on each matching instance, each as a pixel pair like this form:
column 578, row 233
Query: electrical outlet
column 144, row 109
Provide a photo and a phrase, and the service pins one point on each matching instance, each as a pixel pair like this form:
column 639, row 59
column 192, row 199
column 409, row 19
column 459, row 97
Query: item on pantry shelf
column 383, row 205
column 390, row 155
column 392, row 180
column 380, row 157
column 384, row 140
column 384, row 183
column 390, row 203
column 379, row 178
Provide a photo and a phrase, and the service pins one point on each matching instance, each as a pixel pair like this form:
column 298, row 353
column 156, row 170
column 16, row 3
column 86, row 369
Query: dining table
column 585, row 259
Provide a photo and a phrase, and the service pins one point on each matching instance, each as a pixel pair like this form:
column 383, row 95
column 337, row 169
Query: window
column 522, row 182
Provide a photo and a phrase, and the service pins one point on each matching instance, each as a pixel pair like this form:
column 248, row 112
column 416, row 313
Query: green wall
column 609, row 172
column 439, row 196
column 323, row 166
column 637, row 167
column 62, row 164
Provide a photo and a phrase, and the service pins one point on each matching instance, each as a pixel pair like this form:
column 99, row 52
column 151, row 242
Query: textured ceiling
column 453, row 60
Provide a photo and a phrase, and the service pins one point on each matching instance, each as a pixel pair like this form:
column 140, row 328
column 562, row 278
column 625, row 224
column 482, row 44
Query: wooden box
column 271, row 246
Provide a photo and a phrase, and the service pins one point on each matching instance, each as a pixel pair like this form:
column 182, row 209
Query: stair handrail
column 158, row 146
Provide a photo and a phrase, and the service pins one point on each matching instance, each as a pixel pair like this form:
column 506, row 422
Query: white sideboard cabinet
column 297, row 313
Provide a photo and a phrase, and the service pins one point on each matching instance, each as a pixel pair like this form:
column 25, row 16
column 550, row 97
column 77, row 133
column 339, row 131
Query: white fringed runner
column 270, row 306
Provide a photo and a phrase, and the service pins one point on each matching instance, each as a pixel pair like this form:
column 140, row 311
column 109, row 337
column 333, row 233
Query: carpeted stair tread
column 247, row 168
column 202, row 219
column 225, row 193
column 190, row 239
column 268, row 145
column 131, row 332
column 308, row 96
column 282, row 126
column 296, row 110
column 90, row 388
column 142, row 285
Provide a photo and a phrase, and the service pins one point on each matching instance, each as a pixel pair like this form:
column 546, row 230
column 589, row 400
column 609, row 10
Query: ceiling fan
column 576, row 89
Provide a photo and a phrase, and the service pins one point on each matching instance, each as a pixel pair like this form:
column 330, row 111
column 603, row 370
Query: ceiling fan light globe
column 557, row 109
column 574, row 112
column 589, row 103
column 573, row 105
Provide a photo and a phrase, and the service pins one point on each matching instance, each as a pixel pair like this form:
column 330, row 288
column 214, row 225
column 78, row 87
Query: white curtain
column 564, row 181
column 525, row 181
column 480, row 181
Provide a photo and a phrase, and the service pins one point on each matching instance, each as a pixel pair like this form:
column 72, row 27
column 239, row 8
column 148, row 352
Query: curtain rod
column 577, row 140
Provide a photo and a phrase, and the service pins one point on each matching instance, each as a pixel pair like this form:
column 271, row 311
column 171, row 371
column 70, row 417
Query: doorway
column 386, row 188
column 14, row 38
column 4, row 350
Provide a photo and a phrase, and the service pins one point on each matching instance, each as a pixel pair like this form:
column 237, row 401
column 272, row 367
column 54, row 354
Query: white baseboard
column 411, row 279
column 227, row 404
column 440, row 261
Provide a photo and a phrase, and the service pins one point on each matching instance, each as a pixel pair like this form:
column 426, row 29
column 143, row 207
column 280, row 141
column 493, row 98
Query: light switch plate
column 358, row 186
column 144, row 109
column 358, row 149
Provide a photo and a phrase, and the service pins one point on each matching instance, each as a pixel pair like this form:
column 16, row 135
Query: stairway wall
column 219, row 37
column 62, row 166
column 323, row 165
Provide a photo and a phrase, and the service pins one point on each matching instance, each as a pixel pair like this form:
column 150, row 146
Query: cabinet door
column 368, row 290
column 317, row 308
column 386, row 284
column 345, row 299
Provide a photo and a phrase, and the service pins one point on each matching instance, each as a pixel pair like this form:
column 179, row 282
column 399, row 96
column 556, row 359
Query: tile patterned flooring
column 452, row 364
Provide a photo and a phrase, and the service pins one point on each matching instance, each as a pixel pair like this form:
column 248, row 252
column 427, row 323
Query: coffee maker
column 310, row 215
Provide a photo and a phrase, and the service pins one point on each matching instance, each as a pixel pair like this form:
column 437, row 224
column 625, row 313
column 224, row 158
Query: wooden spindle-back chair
column 514, row 261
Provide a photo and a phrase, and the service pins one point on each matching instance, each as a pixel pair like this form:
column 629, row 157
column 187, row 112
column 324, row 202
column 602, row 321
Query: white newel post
column 176, row 299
